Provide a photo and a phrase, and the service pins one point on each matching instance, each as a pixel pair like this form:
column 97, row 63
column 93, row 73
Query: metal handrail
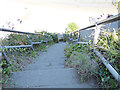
column 105, row 62
column 108, row 20
column 21, row 46
column 15, row 31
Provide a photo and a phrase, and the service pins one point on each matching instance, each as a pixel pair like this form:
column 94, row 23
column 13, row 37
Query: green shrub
column 78, row 57
column 115, row 3
column 109, row 47
column 65, row 37
column 85, row 66
column 110, row 43
column 15, row 39
column 19, row 57
column 55, row 38
column 72, row 27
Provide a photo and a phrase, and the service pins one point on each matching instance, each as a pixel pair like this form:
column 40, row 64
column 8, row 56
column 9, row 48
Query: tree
column 116, row 3
column 72, row 27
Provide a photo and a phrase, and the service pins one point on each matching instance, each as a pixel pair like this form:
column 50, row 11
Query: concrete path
column 48, row 71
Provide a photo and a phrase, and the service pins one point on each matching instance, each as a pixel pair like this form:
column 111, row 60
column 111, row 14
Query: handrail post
column 0, row 72
column 30, row 42
column 5, row 56
column 119, row 79
column 39, row 36
column 73, row 36
column 78, row 36
column 96, row 34
column 0, row 56
column 46, row 39
column 40, row 40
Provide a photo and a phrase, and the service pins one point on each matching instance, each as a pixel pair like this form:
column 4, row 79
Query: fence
column 96, row 35
column 23, row 46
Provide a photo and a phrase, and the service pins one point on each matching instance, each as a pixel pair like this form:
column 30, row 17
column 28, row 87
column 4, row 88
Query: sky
column 49, row 15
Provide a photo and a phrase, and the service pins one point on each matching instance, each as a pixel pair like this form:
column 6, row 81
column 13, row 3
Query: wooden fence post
column 96, row 34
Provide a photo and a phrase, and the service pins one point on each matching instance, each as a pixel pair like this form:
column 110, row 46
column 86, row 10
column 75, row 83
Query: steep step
column 47, row 78
column 48, row 71
column 42, row 66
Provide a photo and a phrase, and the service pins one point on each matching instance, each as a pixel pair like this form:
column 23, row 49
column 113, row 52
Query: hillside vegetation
column 89, row 65
column 20, row 57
